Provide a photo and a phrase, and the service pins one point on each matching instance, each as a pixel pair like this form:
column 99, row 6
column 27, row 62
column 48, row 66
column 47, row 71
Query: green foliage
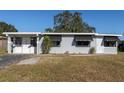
column 77, row 23
column 92, row 50
column 49, row 30
column 4, row 27
column 46, row 45
column 121, row 49
column 70, row 22
column 62, row 22
column 88, row 28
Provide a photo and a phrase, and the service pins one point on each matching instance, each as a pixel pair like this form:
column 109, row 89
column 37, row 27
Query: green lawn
column 68, row 68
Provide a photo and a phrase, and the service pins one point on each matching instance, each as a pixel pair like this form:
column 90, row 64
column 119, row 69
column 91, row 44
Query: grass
column 68, row 68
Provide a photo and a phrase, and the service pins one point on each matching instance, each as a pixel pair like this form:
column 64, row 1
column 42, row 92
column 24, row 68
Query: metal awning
column 111, row 38
column 55, row 38
column 83, row 38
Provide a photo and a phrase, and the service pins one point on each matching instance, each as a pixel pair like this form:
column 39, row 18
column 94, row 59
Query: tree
column 70, row 22
column 4, row 27
column 77, row 23
column 49, row 30
column 62, row 22
column 46, row 45
column 88, row 28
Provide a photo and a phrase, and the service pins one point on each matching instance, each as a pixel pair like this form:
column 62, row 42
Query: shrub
column 46, row 45
column 66, row 52
column 121, row 49
column 92, row 50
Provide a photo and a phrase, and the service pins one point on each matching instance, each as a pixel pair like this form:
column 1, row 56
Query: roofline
column 22, row 33
column 44, row 33
column 68, row 33
column 119, row 35
column 96, row 34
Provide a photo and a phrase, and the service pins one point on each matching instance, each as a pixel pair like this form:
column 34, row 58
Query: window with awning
column 83, row 38
column 110, row 41
column 83, row 41
column 111, row 38
column 56, row 40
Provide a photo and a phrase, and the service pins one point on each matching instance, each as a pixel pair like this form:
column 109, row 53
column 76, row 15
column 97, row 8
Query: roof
column 38, row 33
column 68, row 33
column 97, row 34
column 21, row 33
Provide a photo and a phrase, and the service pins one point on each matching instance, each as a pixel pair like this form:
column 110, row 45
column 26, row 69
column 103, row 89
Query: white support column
column 37, row 44
column 40, row 44
column 9, row 44
column 117, row 44
column 116, row 47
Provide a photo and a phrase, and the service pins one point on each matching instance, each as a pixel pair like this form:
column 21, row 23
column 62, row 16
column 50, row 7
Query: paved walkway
column 9, row 59
column 29, row 61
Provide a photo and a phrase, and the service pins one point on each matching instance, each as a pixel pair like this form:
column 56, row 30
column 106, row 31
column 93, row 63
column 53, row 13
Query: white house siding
column 110, row 50
column 18, row 50
column 67, row 46
column 99, row 44
column 93, row 43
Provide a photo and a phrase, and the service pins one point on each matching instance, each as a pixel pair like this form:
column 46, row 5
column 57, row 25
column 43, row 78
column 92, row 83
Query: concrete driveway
column 9, row 59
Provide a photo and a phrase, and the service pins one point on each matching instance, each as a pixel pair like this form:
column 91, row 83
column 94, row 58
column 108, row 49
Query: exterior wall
column 67, row 46
column 110, row 50
column 99, row 44
column 104, row 50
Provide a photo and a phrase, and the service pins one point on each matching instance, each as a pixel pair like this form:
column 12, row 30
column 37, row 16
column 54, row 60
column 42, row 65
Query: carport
column 23, row 42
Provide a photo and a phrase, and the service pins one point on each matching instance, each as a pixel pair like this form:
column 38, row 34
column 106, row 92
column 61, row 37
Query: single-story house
column 77, row 43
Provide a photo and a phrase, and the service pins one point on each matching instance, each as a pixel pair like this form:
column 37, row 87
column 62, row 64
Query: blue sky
column 38, row 20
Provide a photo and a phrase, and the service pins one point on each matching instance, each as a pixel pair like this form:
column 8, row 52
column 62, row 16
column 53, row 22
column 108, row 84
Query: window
column 18, row 41
column 33, row 41
column 110, row 43
column 56, row 40
column 55, row 43
column 83, row 43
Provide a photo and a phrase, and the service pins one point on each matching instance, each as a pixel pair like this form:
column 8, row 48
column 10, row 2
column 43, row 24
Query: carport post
column 37, row 44
column 9, row 44
column 117, row 47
